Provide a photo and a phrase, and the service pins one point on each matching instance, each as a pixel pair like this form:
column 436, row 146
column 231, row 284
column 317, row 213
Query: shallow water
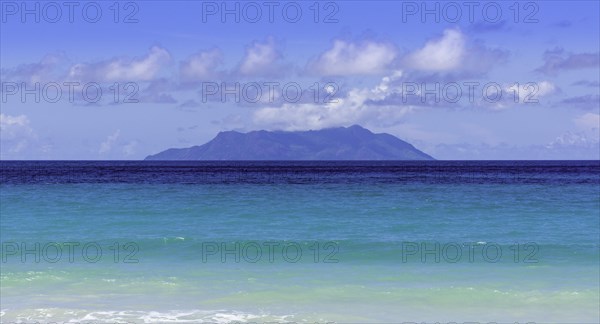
column 300, row 241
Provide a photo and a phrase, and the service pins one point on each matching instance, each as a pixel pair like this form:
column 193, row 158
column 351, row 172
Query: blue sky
column 178, row 66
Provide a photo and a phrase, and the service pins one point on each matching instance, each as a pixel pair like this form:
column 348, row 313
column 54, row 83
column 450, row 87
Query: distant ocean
column 161, row 242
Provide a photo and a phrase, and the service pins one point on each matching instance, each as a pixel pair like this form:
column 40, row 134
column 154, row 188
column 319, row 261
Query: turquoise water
column 376, row 244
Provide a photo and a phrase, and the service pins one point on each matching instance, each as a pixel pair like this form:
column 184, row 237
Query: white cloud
column 46, row 70
column 260, row 59
column 546, row 88
column 586, row 135
column 143, row 68
column 589, row 124
column 347, row 58
column 442, row 54
column 528, row 92
column 454, row 54
column 10, row 125
column 574, row 139
column 15, row 133
column 201, row 65
column 107, row 145
column 352, row 108
column 129, row 149
column 588, row 121
column 506, row 151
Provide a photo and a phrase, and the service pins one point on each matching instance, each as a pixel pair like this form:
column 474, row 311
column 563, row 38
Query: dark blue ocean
column 219, row 242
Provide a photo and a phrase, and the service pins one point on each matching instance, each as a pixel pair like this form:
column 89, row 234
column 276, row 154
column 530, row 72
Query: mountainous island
column 342, row 143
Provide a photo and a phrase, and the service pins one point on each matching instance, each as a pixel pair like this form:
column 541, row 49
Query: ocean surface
column 220, row 242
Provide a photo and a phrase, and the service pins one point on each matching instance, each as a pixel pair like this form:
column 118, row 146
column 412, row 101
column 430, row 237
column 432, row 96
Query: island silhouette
column 341, row 143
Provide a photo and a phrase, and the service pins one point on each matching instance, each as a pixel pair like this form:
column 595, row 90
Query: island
column 341, row 143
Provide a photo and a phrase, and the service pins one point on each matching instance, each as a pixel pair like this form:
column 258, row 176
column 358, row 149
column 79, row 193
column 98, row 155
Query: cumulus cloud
column 453, row 53
column 567, row 146
column 585, row 137
column 57, row 67
column 15, row 133
column 311, row 116
column 530, row 92
column 47, row 69
column 441, row 54
column 589, row 122
column 117, row 147
column 201, row 66
column 130, row 148
column 574, row 139
column 143, row 68
column 558, row 59
column 354, row 107
column 409, row 88
column 261, row 58
column 546, row 88
column 107, row 145
column 386, row 104
column 354, row 58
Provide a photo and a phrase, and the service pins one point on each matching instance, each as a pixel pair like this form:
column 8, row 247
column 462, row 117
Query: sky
column 459, row 80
